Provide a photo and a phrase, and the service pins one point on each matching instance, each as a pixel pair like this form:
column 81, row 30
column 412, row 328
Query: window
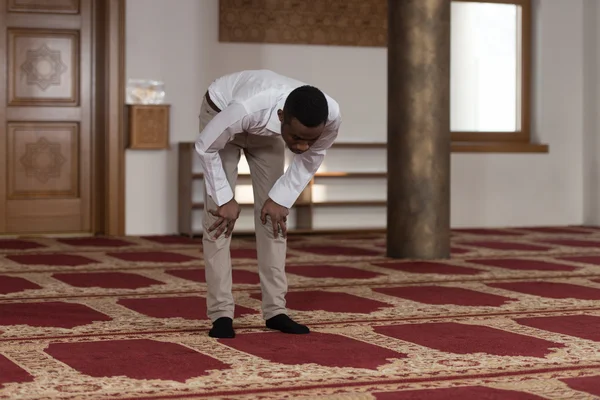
column 490, row 71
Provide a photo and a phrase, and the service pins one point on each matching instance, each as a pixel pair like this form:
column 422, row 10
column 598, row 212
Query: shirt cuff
column 224, row 195
column 283, row 195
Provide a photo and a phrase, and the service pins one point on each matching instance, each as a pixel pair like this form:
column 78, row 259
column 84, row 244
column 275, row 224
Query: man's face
column 298, row 137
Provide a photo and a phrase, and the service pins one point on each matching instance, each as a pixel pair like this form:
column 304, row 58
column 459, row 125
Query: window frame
column 523, row 134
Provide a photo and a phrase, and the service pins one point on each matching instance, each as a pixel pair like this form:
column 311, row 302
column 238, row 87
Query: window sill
column 505, row 147
column 463, row 147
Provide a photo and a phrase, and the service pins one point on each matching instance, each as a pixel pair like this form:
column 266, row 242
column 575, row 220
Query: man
column 261, row 113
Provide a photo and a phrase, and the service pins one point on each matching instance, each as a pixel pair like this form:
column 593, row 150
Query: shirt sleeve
column 302, row 168
column 215, row 135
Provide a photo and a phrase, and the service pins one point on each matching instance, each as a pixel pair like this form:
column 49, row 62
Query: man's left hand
column 278, row 216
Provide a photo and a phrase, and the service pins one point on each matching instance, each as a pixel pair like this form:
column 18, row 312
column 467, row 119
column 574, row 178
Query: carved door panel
column 45, row 116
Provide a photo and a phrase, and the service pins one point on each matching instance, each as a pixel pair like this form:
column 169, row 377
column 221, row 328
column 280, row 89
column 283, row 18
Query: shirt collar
column 274, row 125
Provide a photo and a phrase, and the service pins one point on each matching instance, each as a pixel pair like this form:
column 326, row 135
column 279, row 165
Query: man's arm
column 217, row 133
column 302, row 168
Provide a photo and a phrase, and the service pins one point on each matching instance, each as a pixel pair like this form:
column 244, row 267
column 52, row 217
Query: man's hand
column 278, row 216
column 226, row 215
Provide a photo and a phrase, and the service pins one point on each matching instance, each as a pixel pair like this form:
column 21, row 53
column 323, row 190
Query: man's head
column 303, row 118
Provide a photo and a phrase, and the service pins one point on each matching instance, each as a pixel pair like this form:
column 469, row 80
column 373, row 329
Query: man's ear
column 280, row 115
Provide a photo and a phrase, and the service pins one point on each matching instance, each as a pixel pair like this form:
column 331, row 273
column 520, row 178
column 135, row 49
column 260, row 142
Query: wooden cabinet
column 148, row 126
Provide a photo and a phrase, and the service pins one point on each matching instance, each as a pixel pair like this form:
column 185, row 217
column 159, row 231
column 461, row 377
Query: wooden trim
column 489, row 137
column 466, row 147
column 3, row 101
column 359, row 145
column 501, row 147
column 526, row 66
column 98, row 120
column 517, row 2
column 185, row 188
column 317, row 231
column 342, row 231
column 350, row 203
column 115, row 113
column 307, row 203
column 303, row 207
column 187, row 176
column 200, row 206
column 350, row 175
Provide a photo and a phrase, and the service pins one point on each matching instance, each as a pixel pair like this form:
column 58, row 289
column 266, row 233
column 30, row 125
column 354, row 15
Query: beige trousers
column 266, row 159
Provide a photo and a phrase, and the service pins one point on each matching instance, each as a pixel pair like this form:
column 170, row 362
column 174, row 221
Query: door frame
column 108, row 117
column 108, row 202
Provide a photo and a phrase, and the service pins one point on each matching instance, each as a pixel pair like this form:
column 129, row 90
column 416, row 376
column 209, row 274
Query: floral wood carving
column 149, row 126
column 43, row 160
column 315, row 22
column 43, row 67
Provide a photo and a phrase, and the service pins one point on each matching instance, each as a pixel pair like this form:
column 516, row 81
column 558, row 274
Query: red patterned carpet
column 515, row 314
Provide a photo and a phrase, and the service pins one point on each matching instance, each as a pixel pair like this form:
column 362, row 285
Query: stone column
column 418, row 203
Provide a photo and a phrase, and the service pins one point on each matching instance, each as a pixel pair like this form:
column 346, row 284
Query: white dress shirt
column 249, row 101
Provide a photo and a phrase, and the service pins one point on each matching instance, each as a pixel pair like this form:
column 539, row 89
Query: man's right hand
column 226, row 215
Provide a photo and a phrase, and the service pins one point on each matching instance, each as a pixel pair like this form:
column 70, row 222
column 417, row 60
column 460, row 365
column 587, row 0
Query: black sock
column 222, row 328
column 285, row 324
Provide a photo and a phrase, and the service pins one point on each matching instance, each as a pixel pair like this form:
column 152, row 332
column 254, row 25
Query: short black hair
column 308, row 105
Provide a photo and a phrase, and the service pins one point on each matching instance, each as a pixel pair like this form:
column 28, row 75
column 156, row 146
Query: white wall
column 178, row 44
column 535, row 189
column 591, row 142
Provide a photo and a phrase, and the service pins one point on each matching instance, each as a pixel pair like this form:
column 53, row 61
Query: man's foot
column 285, row 324
column 222, row 328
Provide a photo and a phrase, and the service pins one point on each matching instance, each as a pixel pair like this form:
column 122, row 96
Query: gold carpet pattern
column 514, row 314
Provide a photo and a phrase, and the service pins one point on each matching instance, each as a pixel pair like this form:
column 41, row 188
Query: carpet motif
column 514, row 314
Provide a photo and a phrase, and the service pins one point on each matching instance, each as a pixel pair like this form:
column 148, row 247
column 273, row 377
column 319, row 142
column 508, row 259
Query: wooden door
column 46, row 116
